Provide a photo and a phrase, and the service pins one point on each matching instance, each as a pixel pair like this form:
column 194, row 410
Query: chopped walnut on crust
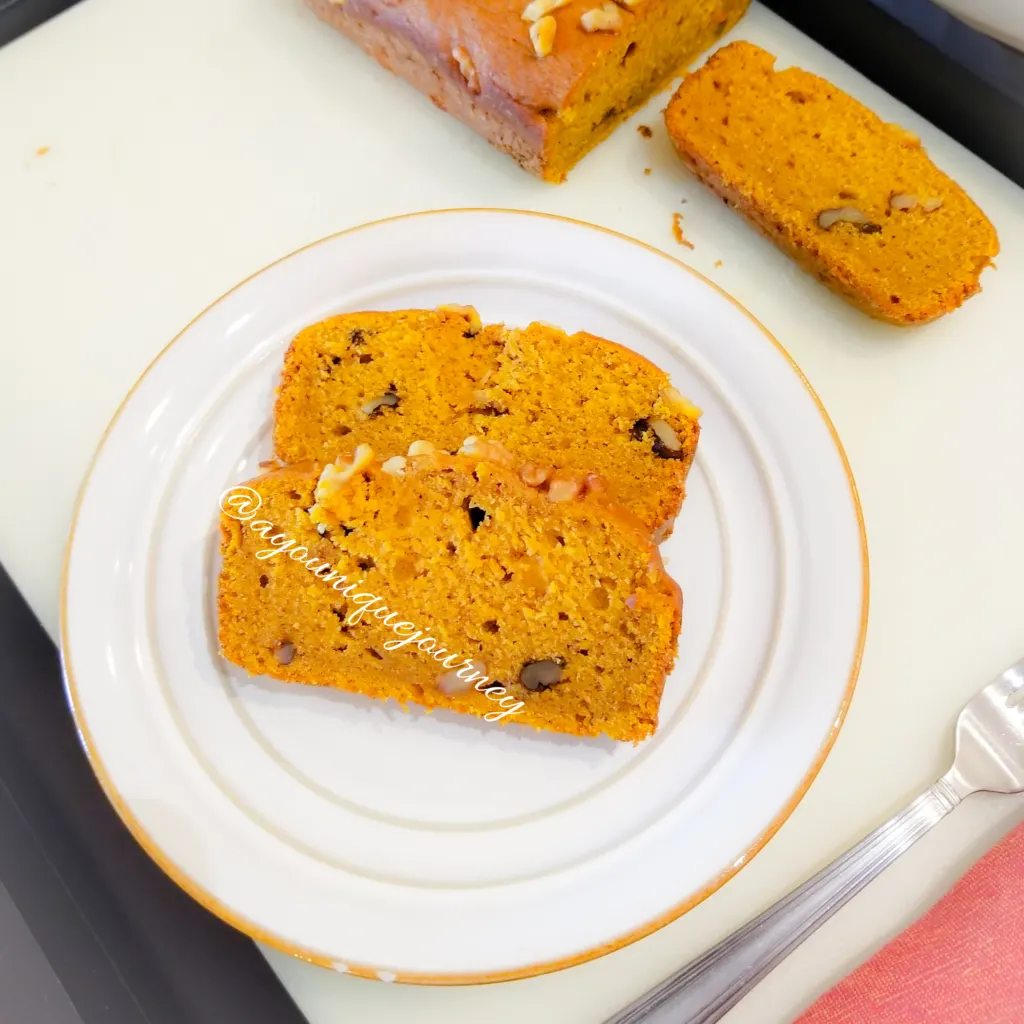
column 467, row 68
column 542, row 35
column 606, row 18
column 537, row 9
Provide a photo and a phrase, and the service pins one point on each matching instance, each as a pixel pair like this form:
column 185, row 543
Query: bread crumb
column 677, row 230
column 647, row 170
column 42, row 150
column 644, row 131
column 718, row 263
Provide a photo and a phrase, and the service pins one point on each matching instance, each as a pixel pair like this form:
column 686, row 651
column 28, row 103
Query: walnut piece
column 539, row 675
column 467, row 68
column 469, row 312
column 533, row 475
column 489, row 451
column 542, row 35
column 395, row 466
column 666, row 443
column 683, row 405
column 285, row 653
column 421, row 448
column 666, row 435
column 336, row 474
column 374, row 406
column 565, row 485
column 903, row 201
column 452, row 682
column 848, row 215
column 537, row 9
column 606, row 18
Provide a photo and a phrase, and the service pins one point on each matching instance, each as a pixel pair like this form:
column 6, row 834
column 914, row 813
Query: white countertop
column 192, row 143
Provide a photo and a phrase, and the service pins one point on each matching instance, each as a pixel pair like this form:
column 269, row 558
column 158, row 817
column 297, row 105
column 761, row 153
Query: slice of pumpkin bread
column 854, row 200
column 558, row 401
column 447, row 581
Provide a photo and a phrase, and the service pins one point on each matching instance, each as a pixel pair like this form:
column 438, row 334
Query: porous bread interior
column 549, row 398
column 534, row 580
column 784, row 146
column 651, row 48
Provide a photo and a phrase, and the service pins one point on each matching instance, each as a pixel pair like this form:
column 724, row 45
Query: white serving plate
column 438, row 848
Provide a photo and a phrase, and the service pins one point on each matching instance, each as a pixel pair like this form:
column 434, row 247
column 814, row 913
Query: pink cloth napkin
column 962, row 963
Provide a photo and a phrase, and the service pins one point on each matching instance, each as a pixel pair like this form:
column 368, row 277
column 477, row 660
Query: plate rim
column 238, row 921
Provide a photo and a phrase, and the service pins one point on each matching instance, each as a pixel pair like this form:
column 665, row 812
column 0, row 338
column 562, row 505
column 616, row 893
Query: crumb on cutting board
column 677, row 230
column 647, row 170
column 718, row 263
column 42, row 150
column 644, row 131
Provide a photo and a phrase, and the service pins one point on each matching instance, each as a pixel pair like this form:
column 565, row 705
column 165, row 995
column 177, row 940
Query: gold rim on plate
column 236, row 920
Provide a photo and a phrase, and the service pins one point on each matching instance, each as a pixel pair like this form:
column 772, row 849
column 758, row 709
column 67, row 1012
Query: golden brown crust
column 785, row 148
column 476, row 61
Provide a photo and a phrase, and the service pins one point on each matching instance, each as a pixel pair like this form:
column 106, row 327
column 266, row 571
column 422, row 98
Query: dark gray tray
column 91, row 930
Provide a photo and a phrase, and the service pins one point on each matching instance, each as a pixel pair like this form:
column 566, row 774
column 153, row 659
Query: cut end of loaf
column 650, row 46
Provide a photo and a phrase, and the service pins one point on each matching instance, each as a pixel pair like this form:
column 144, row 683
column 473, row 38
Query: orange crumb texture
column 474, row 561
column 677, row 230
column 574, row 402
column 855, row 200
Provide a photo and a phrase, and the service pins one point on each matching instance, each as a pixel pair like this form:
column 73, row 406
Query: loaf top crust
column 854, row 199
column 497, row 40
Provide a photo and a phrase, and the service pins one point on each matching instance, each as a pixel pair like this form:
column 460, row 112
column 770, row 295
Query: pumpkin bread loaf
column 448, row 582
column 544, row 81
column 854, row 200
column 572, row 403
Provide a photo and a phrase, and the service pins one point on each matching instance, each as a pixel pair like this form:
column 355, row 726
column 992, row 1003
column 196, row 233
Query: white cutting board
column 191, row 143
